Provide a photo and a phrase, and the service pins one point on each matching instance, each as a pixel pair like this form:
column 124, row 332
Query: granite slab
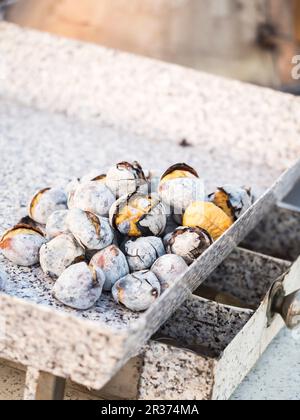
column 67, row 107
column 275, row 377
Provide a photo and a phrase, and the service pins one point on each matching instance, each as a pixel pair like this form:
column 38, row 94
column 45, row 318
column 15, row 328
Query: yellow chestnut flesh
column 9, row 235
column 176, row 175
column 132, row 213
column 221, row 200
column 209, row 217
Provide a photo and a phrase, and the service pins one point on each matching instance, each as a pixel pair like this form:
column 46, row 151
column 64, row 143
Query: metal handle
column 286, row 306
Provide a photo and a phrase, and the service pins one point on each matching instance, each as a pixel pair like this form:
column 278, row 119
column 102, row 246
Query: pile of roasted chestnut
column 112, row 233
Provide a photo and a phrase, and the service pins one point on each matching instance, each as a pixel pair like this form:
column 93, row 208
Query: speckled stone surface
column 277, row 235
column 275, row 377
column 205, row 326
column 74, row 107
column 170, row 373
column 248, row 276
column 12, row 383
column 232, row 123
column 31, row 380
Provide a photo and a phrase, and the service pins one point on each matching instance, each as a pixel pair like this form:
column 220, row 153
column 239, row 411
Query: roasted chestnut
column 58, row 254
column 141, row 253
column 188, row 243
column 137, row 291
column 21, row 245
column 179, row 187
column 91, row 232
column 125, row 178
column 113, row 263
column 46, row 202
column 79, row 286
column 234, row 201
column 57, row 224
column 169, row 268
column 139, row 215
column 93, row 196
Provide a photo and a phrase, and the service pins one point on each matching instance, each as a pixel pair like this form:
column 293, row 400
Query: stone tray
column 206, row 348
column 68, row 107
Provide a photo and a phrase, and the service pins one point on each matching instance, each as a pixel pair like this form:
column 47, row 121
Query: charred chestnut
column 79, row 286
column 91, row 232
column 188, row 243
column 137, row 291
column 93, row 196
column 21, row 245
column 141, row 253
column 139, row 215
column 179, row 187
column 57, row 224
column 125, row 178
column 234, row 201
column 46, row 202
column 58, row 254
column 168, row 269
column 113, row 263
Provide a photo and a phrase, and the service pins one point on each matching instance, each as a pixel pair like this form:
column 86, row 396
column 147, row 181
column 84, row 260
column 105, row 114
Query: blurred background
column 253, row 41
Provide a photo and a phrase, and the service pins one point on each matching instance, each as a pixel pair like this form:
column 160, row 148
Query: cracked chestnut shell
column 91, row 232
column 233, row 200
column 137, row 291
column 209, row 217
column 141, row 253
column 179, row 170
column 21, row 245
column 139, row 215
column 125, row 178
column 188, row 243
